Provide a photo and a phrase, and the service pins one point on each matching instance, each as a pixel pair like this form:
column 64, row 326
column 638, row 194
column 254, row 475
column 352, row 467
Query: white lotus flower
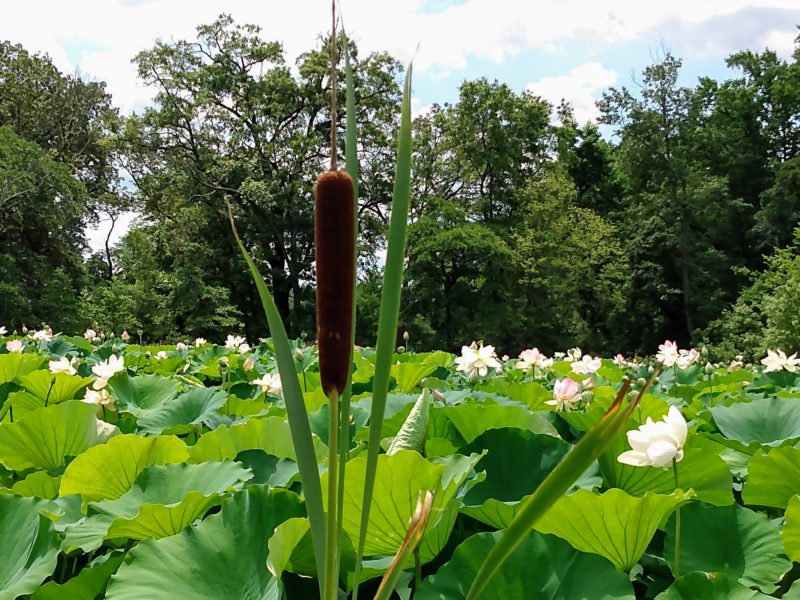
column 63, row 365
column 586, row 365
column 687, row 358
column 657, row 444
column 476, row 361
column 180, row 346
column 90, row 335
column 233, row 342
column 668, row 353
column 43, row 335
column 15, row 346
column 620, row 361
column 574, row 354
column 161, row 355
column 199, row 342
column 777, row 360
column 565, row 394
column 105, row 430
column 533, row 358
column 105, row 370
column 2, row 329
column 100, row 398
column 243, row 348
column 270, row 383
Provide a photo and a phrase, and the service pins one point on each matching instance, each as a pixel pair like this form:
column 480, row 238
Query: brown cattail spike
column 334, row 234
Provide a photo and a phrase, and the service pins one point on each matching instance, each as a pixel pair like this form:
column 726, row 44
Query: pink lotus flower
column 565, row 394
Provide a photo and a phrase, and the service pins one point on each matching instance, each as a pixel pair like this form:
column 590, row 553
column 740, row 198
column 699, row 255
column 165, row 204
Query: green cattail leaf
column 414, row 429
column 295, row 410
column 390, row 309
column 351, row 166
column 555, row 485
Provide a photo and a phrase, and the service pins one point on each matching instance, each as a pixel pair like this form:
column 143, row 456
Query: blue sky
column 572, row 49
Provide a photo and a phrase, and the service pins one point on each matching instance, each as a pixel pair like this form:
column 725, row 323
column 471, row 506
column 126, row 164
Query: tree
column 678, row 218
column 42, row 213
column 232, row 121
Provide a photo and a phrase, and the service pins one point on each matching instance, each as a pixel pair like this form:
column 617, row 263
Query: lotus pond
column 164, row 472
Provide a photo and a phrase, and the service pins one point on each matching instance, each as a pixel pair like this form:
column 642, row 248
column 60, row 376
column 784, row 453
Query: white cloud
column 579, row 87
column 96, row 236
column 114, row 31
column 782, row 42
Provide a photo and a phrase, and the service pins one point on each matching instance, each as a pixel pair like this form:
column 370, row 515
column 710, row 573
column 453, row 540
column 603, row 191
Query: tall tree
column 232, row 120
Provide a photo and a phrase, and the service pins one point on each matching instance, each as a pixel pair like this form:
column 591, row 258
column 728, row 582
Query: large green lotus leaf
column 767, row 421
column 290, row 549
column 473, row 418
column 178, row 415
column 272, row 435
column 37, row 484
column 543, row 566
column 15, row 364
column 773, row 477
column 701, row 470
column 277, row 472
column 163, row 500
column 28, row 546
column 64, row 386
column 791, row 530
column 531, row 393
column 44, row 438
column 225, row 556
column 399, row 480
column 108, row 470
column 709, row 586
column 409, row 374
column 628, row 522
column 143, row 393
column 86, row 585
column 743, row 544
column 494, row 500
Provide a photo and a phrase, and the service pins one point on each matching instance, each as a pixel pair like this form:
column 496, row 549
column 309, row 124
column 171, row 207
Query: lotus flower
column 2, row 330
column 199, row 342
column 90, row 335
column 586, row 365
column 101, row 398
column 565, row 394
column 533, row 358
column 270, row 383
column 105, row 370
column 63, row 365
column 476, row 360
column 15, row 346
column 668, row 354
column 777, row 360
column 657, row 444
column 180, row 347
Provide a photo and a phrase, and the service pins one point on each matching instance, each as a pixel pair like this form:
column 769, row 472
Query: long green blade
column 552, row 488
column 295, row 410
column 351, row 166
column 390, row 308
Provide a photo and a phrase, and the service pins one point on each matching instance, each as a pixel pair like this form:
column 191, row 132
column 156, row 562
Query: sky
column 571, row 49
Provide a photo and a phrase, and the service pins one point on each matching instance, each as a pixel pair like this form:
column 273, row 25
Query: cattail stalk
column 335, row 251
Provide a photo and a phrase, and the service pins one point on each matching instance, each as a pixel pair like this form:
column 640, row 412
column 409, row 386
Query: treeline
column 528, row 228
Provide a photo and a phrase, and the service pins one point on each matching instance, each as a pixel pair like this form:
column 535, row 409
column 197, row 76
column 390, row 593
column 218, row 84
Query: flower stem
column 677, row 572
column 332, row 550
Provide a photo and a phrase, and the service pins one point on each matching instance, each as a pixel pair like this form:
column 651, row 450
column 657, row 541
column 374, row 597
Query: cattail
column 334, row 234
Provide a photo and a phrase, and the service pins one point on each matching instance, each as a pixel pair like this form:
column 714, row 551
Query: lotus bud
column 401, row 349
column 437, row 395
column 704, row 351
column 125, row 336
column 24, row 330
column 641, row 382
column 651, row 369
column 249, row 363
column 405, row 336
column 709, row 368
column 298, row 354
column 335, row 253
